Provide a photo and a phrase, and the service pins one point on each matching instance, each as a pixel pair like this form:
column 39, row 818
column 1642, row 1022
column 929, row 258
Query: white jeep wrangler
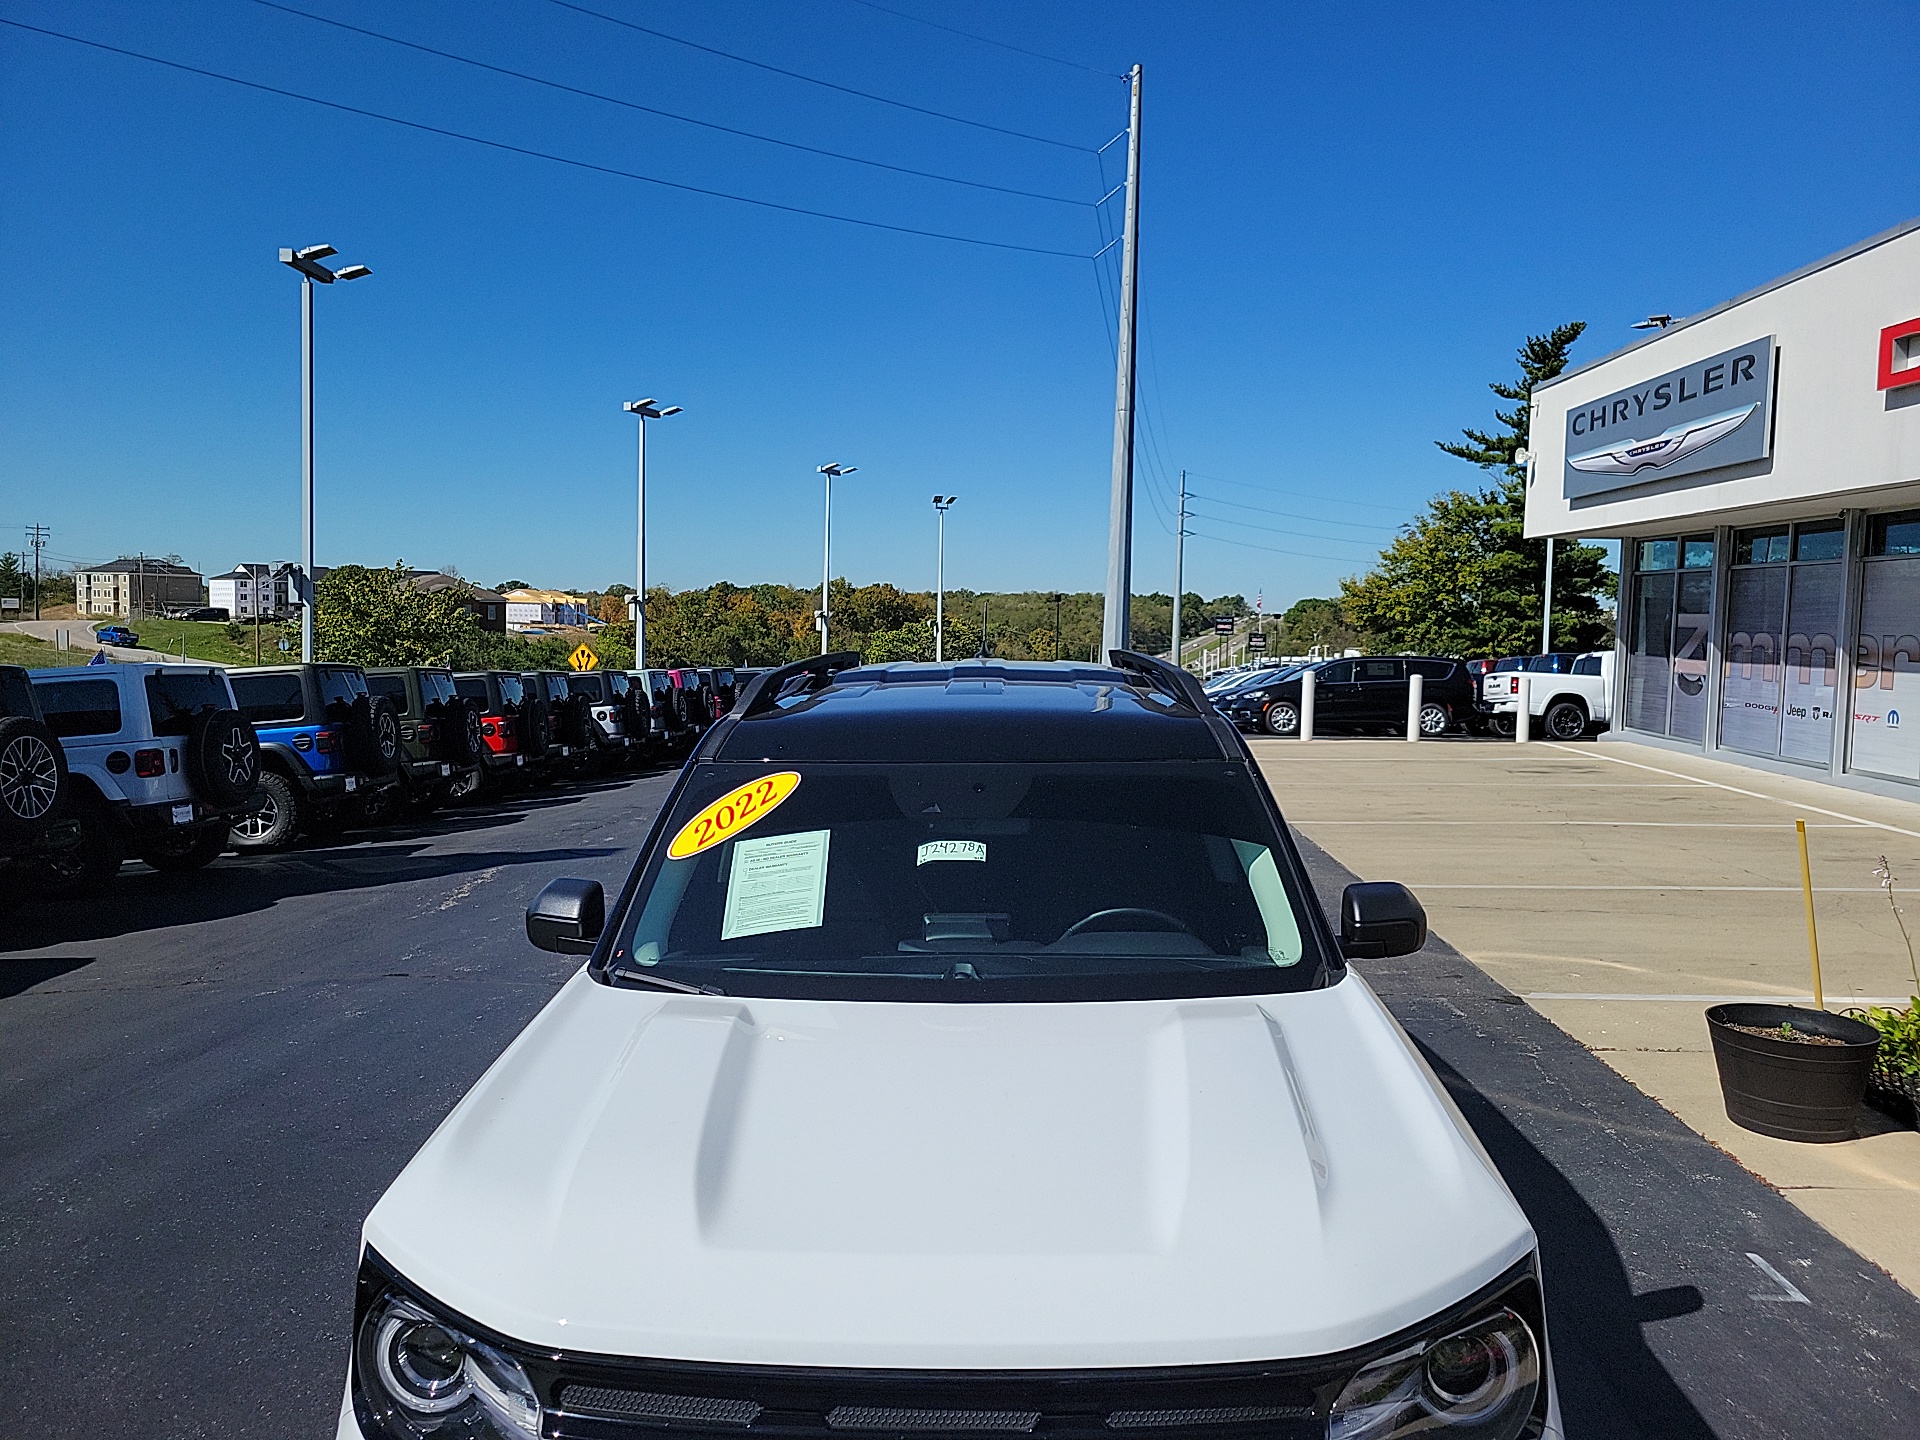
column 161, row 764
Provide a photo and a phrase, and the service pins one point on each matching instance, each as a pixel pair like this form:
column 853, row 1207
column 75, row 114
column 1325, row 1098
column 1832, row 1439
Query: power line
column 1302, row 494
column 985, row 40
column 1373, row 525
column 664, row 114
column 824, row 84
column 1270, row 549
column 544, row 154
column 1282, row 530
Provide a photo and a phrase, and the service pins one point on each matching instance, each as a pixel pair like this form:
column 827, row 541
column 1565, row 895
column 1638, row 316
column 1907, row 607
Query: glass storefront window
column 1658, row 554
column 1760, row 547
column 1824, row 540
column 1696, row 552
column 1669, row 622
column 1650, row 653
column 1778, row 677
column 1896, row 534
column 1885, row 725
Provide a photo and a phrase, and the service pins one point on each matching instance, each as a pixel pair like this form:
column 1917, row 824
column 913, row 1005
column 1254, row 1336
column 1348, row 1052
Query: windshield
column 972, row 882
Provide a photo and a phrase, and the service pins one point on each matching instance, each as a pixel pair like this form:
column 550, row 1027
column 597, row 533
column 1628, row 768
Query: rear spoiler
column 765, row 691
column 1171, row 680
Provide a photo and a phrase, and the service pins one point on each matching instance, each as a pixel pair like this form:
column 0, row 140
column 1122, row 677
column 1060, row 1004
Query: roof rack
column 764, row 691
column 1167, row 679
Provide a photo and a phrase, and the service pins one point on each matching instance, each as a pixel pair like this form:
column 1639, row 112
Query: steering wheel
column 1102, row 920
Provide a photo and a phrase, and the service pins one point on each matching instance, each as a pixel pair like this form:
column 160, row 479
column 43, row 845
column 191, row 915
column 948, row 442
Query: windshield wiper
column 660, row 982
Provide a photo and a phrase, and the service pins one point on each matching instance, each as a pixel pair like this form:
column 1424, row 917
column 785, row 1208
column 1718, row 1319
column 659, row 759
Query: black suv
column 1369, row 693
column 33, row 774
column 327, row 747
column 440, row 738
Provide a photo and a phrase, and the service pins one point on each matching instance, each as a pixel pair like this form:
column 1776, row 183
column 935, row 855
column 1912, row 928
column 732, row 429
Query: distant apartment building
column 128, row 588
column 488, row 607
column 267, row 591
column 534, row 608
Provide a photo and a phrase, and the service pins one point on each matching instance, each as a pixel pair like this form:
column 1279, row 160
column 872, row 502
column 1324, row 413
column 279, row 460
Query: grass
column 37, row 654
column 206, row 640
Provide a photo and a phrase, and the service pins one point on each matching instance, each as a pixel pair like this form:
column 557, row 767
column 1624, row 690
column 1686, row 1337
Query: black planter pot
column 1787, row 1089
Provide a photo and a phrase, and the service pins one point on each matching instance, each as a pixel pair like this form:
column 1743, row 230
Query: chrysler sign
column 1711, row 414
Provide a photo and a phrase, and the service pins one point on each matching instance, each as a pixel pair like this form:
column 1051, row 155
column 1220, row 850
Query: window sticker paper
column 952, row 850
column 777, row 883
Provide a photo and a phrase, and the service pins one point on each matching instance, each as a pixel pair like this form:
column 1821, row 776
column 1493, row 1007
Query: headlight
column 417, row 1375
column 1480, row 1380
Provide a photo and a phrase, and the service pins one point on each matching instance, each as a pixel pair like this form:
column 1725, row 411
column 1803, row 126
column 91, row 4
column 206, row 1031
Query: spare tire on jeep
column 466, row 743
column 534, row 721
column 223, row 758
column 373, row 736
column 576, row 722
column 33, row 777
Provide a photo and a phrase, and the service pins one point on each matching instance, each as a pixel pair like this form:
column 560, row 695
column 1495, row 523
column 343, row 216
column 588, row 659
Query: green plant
column 1899, row 1029
column 1786, row 1030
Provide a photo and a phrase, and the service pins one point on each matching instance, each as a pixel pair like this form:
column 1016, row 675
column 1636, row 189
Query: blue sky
column 1351, row 215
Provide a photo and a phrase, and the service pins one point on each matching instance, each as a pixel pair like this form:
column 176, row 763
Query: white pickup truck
column 1564, row 706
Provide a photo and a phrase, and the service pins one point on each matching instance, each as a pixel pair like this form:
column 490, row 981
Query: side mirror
column 568, row 916
column 1377, row 918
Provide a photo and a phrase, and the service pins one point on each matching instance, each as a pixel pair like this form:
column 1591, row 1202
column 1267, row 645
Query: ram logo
column 1669, row 447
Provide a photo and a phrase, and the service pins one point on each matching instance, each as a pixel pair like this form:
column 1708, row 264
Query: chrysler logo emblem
column 1669, row 447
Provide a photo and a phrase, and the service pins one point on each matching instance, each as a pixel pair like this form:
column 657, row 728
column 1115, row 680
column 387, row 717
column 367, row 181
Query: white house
column 527, row 608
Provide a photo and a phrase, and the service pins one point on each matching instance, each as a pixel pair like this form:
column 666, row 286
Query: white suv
column 160, row 761
column 967, row 1053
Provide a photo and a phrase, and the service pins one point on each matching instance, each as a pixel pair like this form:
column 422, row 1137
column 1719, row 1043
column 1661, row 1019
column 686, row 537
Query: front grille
column 694, row 1410
column 591, row 1398
column 1221, row 1415
column 881, row 1417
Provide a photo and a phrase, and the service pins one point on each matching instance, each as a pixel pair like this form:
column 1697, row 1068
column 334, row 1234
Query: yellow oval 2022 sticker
column 732, row 813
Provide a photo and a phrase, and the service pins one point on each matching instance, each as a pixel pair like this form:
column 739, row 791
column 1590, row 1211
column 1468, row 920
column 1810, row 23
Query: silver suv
column 160, row 762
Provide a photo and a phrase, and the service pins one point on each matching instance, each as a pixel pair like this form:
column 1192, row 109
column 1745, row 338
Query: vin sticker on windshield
column 952, row 850
column 732, row 813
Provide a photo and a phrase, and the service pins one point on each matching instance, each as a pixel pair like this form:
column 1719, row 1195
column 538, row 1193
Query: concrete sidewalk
column 1620, row 891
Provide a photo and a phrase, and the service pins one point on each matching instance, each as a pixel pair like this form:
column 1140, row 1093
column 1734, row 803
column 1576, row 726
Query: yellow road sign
column 583, row 659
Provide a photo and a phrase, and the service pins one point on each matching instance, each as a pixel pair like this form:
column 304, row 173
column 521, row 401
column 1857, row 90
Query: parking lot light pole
column 1057, row 598
column 941, row 504
column 829, row 470
column 643, row 410
column 307, row 262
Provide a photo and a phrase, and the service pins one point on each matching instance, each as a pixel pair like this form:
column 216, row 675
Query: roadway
column 208, row 1080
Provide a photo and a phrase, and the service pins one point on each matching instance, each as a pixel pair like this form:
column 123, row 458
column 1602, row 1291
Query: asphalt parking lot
column 209, row 1080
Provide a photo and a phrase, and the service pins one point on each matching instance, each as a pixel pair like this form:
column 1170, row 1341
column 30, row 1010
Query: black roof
column 972, row 711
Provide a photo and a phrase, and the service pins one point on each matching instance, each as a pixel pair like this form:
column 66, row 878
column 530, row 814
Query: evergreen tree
column 1461, row 579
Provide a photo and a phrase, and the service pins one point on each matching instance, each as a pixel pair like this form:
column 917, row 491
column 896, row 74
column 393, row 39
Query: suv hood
column 952, row 1185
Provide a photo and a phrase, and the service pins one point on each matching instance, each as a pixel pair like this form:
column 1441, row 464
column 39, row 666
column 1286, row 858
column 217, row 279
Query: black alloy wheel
column 1565, row 720
column 33, row 776
column 1282, row 717
column 183, row 850
column 276, row 821
column 88, row 866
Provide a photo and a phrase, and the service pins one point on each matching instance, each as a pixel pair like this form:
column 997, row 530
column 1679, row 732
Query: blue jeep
column 326, row 747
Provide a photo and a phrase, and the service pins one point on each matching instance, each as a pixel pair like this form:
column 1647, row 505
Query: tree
column 506, row 585
column 1312, row 622
column 378, row 617
column 14, row 583
column 1461, row 579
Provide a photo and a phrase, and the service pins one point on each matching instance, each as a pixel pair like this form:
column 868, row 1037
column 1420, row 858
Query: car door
column 1381, row 691
column 1335, row 696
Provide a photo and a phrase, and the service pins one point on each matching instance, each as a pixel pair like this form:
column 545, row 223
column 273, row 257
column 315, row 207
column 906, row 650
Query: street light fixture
column 829, row 470
column 307, row 263
column 643, row 410
column 941, row 504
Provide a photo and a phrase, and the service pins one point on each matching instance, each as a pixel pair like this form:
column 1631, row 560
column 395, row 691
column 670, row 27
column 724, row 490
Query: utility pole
column 37, row 537
column 983, row 626
column 1057, row 598
column 1179, row 563
column 1116, row 629
column 940, row 503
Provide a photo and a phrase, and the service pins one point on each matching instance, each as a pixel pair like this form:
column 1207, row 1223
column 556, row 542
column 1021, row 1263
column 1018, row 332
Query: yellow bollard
column 1813, row 937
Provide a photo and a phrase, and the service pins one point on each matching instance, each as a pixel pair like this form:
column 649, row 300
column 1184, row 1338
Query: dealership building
column 1760, row 464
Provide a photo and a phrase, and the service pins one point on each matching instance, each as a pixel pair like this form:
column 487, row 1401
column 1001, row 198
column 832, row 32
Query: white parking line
column 1503, row 823
column 1791, row 1293
column 1688, row 889
column 1715, row 999
column 1731, row 789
